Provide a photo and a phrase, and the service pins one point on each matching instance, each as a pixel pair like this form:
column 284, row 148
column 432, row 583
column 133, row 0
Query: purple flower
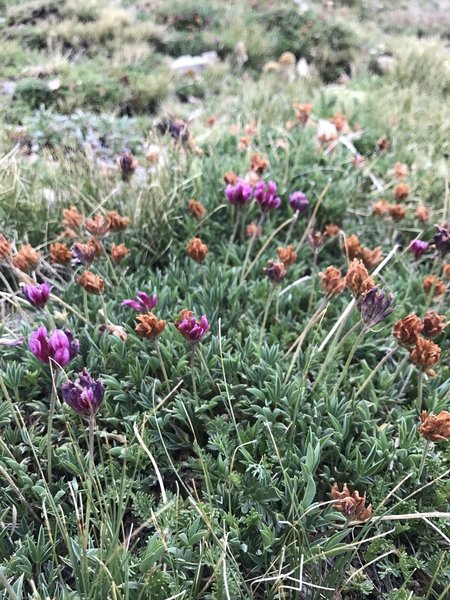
column 59, row 347
column 266, row 196
column 143, row 302
column 37, row 294
column 239, row 194
column 276, row 272
column 190, row 328
column 418, row 248
column 299, row 202
column 84, row 395
column 442, row 239
column 375, row 305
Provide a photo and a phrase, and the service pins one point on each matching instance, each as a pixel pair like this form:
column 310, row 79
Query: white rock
column 303, row 68
column 186, row 63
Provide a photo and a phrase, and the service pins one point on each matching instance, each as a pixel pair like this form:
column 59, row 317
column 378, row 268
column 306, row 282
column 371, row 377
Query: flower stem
column 233, row 235
column 349, row 360
column 51, row 414
column 422, row 461
column 250, row 246
column 161, row 364
column 419, row 391
column 266, row 313
column 371, row 375
column 194, row 383
column 85, row 305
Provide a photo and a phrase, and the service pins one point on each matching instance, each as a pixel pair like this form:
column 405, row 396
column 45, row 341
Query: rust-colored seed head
column 354, row 249
column 357, row 279
column 93, row 284
column 381, row 207
column 196, row 209
column 116, row 221
column 446, row 271
column 371, row 258
column 332, row 230
column 433, row 324
column 60, row 254
column 397, row 212
column 339, row 121
column 423, row 214
column 435, row 428
column 430, row 282
column 5, row 247
column 119, row 252
column 332, row 281
column 230, row 177
column 302, row 111
column 276, row 272
column 406, row 330
column 72, row 218
column 383, row 144
column 253, row 230
column 287, row 255
column 27, row 259
column 352, row 505
column 258, row 164
column 197, row 250
column 98, row 226
column 401, row 171
column 96, row 245
column 401, row 191
column 149, row 326
column 424, row 355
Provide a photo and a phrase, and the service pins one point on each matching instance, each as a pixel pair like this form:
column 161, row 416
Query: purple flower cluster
column 266, row 196
column 418, row 248
column 190, row 328
column 142, row 303
column 375, row 306
column 84, row 395
column 37, row 294
column 59, row 347
column 299, row 202
column 239, row 193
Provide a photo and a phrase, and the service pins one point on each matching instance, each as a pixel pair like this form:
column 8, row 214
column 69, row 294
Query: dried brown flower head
column 401, row 191
column 244, row 142
column 60, row 253
column 196, row 209
column 353, row 245
column 98, row 226
column 27, row 259
column 302, row 111
column 332, row 281
column 397, row 212
column 332, row 230
column 276, row 272
column 381, row 207
column 371, row 258
column 93, row 284
column 435, row 428
column 424, row 355
column 433, row 324
column 115, row 330
column 197, row 250
column 406, row 330
column 431, row 282
column 116, row 221
column 446, row 270
column 287, row 59
column 423, row 214
column 230, row 177
column 150, row 326
column 72, row 218
column 5, row 247
column 287, row 255
column 357, row 279
column 383, row 144
column 401, row 171
column 253, row 229
column 119, row 252
column 340, row 122
column 258, row 164
column 211, row 120
column 352, row 505
column 96, row 246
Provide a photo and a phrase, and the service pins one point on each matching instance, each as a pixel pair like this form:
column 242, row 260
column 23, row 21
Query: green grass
column 211, row 479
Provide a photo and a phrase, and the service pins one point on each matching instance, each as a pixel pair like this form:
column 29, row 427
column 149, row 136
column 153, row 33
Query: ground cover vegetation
column 224, row 353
